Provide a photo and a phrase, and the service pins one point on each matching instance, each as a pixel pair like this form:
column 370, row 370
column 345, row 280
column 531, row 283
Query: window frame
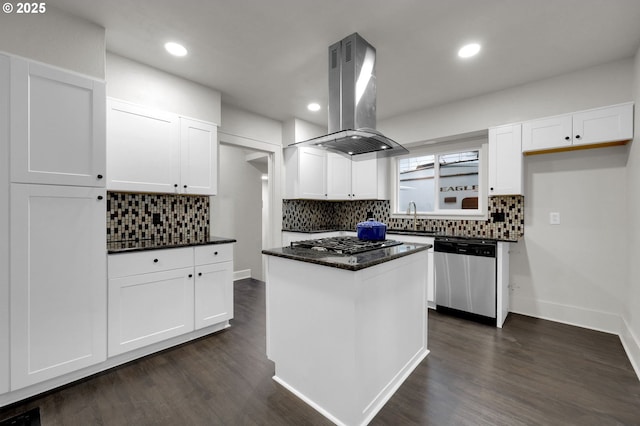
column 451, row 147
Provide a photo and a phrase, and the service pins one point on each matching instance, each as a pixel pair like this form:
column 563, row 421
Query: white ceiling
column 270, row 56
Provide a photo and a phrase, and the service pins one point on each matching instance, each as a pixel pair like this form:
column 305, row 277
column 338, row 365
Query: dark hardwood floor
column 532, row 372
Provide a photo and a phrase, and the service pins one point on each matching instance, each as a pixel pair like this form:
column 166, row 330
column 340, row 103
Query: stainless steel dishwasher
column 465, row 281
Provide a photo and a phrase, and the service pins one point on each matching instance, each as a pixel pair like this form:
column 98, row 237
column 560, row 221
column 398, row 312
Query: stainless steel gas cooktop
column 344, row 245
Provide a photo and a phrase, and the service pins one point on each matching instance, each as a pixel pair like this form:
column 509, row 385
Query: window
column 445, row 183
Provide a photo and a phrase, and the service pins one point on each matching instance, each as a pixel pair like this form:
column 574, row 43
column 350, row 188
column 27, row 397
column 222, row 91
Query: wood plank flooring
column 532, row 372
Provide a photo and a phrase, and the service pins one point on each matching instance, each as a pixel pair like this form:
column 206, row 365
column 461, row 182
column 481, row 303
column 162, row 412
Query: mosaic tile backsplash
column 313, row 215
column 130, row 216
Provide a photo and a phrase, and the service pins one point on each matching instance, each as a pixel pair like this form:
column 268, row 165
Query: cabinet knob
column 215, row 253
column 155, row 260
column 491, row 188
column 577, row 136
column 100, row 197
column 99, row 176
column 566, row 138
column 185, row 187
column 175, row 185
column 190, row 275
column 199, row 274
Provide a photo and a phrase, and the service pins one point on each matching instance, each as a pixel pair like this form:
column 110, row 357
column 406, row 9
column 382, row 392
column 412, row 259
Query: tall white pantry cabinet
column 52, row 223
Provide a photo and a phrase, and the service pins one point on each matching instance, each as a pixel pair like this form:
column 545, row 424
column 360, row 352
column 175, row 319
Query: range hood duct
column 352, row 104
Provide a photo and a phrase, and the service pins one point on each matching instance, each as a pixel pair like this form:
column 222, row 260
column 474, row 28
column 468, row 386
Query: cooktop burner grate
column 343, row 245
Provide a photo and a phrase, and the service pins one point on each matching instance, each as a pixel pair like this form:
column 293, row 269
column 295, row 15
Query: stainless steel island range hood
column 352, row 104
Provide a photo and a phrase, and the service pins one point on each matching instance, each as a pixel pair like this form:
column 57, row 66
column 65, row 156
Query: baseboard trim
column 567, row 314
column 241, row 275
column 631, row 345
column 585, row 318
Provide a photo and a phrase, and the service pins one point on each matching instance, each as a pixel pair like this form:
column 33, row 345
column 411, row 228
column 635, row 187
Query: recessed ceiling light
column 313, row 106
column 469, row 50
column 175, row 49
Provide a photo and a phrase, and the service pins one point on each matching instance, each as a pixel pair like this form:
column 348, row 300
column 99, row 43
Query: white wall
column 140, row 84
column 574, row 272
column 631, row 311
column 297, row 130
column 4, row 223
column 55, row 38
column 239, row 123
column 258, row 133
column 598, row 86
column 237, row 209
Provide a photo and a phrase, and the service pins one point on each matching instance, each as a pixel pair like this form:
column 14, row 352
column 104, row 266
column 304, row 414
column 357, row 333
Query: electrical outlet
column 498, row 217
column 554, row 218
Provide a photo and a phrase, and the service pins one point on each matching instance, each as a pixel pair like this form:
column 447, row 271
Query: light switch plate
column 554, row 218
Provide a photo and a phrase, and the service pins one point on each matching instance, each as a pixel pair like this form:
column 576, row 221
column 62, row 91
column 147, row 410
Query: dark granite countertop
column 354, row 262
column 405, row 232
column 151, row 244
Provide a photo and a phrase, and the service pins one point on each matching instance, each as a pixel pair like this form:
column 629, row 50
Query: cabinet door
column 364, row 179
column 58, row 281
column 199, row 157
column 505, row 160
column 547, row 133
column 600, row 125
column 149, row 308
column 338, row 177
column 312, row 173
column 57, row 126
column 143, row 149
column 213, row 294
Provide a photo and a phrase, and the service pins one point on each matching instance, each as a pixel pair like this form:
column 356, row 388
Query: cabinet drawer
column 213, row 253
column 143, row 262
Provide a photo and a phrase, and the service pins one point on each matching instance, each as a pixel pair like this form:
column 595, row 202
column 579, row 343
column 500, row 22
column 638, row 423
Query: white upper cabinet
column 199, row 157
column 58, row 281
column 505, row 160
column 157, row 151
column 547, row 133
column 143, row 153
column 306, row 173
column 571, row 131
column 367, row 179
column 338, row 177
column 317, row 174
column 608, row 124
column 57, row 126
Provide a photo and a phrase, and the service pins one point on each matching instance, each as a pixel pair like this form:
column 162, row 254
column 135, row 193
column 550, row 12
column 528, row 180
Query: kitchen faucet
column 415, row 213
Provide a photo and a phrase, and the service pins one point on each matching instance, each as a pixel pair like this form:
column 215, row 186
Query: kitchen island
column 346, row 330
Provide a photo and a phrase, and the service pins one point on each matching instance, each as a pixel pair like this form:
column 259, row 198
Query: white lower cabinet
column 213, row 294
column 213, row 284
column 58, row 278
column 431, row 293
column 155, row 295
column 149, row 308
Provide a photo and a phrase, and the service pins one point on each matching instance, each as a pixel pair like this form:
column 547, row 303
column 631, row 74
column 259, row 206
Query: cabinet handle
column 100, row 197
column 155, row 260
column 566, row 138
column 577, row 136
column 99, row 176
